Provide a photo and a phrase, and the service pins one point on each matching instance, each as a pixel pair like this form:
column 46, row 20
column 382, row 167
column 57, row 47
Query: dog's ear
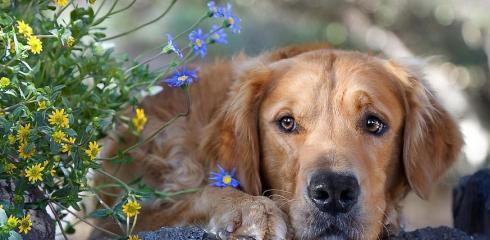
column 231, row 139
column 432, row 140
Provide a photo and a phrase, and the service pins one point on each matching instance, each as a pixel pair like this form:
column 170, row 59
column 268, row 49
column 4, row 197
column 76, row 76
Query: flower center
column 216, row 36
column 183, row 77
column 198, row 42
column 227, row 179
column 231, row 21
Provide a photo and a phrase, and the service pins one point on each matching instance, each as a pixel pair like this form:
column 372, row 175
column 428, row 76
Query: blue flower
column 198, row 41
column 223, row 178
column 172, row 47
column 182, row 77
column 215, row 11
column 231, row 21
column 218, row 35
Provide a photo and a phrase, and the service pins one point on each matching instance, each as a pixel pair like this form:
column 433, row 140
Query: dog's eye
column 287, row 124
column 375, row 126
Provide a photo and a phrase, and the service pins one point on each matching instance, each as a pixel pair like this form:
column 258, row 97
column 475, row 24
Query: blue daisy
column 215, row 11
column 182, row 77
column 198, row 41
column 223, row 179
column 172, row 47
column 231, row 21
column 218, row 35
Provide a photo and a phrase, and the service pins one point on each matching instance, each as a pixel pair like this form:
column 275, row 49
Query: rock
column 471, row 204
column 178, row 233
column 439, row 233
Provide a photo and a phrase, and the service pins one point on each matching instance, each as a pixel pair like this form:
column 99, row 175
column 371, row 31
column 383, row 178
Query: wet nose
column 333, row 192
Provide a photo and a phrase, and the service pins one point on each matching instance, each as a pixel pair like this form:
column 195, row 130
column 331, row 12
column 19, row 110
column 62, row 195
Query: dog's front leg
column 233, row 214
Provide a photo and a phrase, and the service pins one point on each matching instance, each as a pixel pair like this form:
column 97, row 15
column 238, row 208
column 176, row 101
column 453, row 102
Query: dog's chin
column 313, row 224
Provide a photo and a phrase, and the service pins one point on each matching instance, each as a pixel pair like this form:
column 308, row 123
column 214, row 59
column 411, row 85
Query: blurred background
column 452, row 37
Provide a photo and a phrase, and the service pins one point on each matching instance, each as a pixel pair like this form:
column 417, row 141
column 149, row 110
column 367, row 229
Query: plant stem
column 58, row 220
column 142, row 25
column 87, row 222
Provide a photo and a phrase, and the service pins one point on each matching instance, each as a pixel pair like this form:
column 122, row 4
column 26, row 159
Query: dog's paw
column 254, row 217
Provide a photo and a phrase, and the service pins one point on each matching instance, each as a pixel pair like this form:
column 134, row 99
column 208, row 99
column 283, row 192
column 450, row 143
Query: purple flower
column 182, row 77
column 198, row 42
column 215, row 11
column 172, row 47
column 223, row 178
column 231, row 21
column 218, row 35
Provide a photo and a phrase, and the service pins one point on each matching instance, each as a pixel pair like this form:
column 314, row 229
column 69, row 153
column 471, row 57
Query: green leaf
column 14, row 236
column 101, row 213
column 3, row 216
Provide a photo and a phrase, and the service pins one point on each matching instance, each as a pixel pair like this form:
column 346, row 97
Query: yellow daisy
column 24, row 28
column 70, row 41
column 131, row 208
column 9, row 168
column 65, row 147
column 35, row 44
column 133, row 237
column 93, row 150
column 25, row 224
column 4, row 82
column 12, row 222
column 23, row 132
column 41, row 105
column 11, row 139
column 139, row 120
column 52, row 172
column 23, row 151
column 58, row 118
column 58, row 136
column 34, row 173
column 61, row 3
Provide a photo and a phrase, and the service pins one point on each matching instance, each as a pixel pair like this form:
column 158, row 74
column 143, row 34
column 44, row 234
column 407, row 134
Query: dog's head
column 336, row 138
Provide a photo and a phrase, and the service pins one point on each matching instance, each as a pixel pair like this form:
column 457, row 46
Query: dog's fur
column 233, row 122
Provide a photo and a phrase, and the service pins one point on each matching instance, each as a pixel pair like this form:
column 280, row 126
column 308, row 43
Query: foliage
column 61, row 90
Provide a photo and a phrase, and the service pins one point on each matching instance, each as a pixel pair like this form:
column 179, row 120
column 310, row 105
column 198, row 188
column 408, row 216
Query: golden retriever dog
column 325, row 143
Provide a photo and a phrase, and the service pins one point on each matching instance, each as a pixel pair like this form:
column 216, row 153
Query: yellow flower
column 12, row 222
column 24, row 28
column 70, row 41
column 23, row 153
column 41, row 105
column 58, row 118
column 139, row 120
column 61, row 3
column 34, row 173
column 65, row 147
column 23, row 132
column 131, row 208
column 4, row 82
column 9, row 168
column 58, row 136
column 35, row 45
column 11, row 139
column 133, row 237
column 25, row 224
column 93, row 150
column 52, row 172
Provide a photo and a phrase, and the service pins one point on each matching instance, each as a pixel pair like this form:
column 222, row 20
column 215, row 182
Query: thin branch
column 87, row 222
column 144, row 24
column 58, row 220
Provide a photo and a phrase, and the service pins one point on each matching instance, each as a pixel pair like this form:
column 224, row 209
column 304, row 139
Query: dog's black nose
column 333, row 192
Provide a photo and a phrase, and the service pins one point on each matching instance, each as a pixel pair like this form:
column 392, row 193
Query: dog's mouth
column 318, row 225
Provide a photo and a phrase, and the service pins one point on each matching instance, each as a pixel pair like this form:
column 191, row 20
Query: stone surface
column 471, row 204
column 178, row 233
